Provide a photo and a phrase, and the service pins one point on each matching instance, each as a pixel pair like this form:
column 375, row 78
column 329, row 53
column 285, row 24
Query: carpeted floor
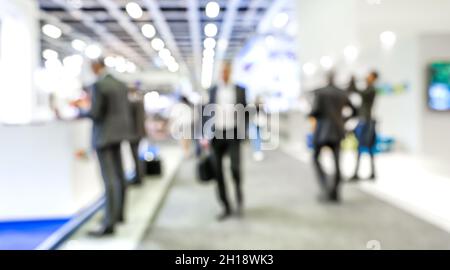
column 282, row 212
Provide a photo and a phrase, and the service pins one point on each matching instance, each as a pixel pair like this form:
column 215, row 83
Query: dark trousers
column 336, row 149
column 110, row 160
column 137, row 162
column 220, row 148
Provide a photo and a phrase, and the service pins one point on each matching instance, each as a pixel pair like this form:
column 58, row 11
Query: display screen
column 439, row 86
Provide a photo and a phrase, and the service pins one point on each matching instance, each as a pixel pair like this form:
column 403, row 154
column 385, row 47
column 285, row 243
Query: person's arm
column 316, row 108
column 98, row 105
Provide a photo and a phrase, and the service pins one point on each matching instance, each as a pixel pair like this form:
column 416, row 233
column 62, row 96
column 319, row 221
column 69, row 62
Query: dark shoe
column 224, row 216
column 121, row 219
column 372, row 177
column 334, row 197
column 136, row 182
column 355, row 178
column 101, row 232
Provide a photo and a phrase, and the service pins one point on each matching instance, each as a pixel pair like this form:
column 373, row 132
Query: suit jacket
column 328, row 105
column 110, row 112
column 241, row 99
column 368, row 100
column 138, row 120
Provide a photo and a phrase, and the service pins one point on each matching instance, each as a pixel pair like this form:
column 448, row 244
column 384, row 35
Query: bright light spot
column 326, row 62
column 78, row 4
column 309, row 69
column 49, row 54
column 148, row 30
column 211, row 30
column 110, row 61
column 209, row 43
column 269, row 40
column 208, row 53
column 173, row 67
column 78, row 45
column 212, row 9
column 73, row 64
column 281, row 20
column 51, row 31
column 351, row 53
column 222, row 44
column 93, row 51
column 53, row 64
column 157, row 44
column 130, row 67
column 164, row 54
column 388, row 39
column 121, row 64
column 134, row 10
column 151, row 98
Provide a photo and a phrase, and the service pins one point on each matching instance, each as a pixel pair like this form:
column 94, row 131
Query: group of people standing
column 330, row 128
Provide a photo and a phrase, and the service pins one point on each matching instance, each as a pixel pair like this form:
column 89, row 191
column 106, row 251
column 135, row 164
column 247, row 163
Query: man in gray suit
column 327, row 110
column 110, row 113
column 138, row 116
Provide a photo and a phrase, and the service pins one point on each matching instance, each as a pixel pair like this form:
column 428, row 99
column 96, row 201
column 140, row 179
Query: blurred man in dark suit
column 327, row 110
column 110, row 113
column 229, row 130
column 137, row 131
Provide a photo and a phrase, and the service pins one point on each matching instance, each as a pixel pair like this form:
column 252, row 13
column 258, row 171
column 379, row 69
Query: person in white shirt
column 229, row 130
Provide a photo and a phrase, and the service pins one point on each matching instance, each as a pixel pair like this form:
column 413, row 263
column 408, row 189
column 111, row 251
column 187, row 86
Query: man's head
column 98, row 66
column 372, row 77
column 226, row 72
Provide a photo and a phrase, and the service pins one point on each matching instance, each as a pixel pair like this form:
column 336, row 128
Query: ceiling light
column 280, row 20
column 309, row 69
column 208, row 53
column 211, row 30
column 388, row 39
column 93, row 51
column 148, row 30
column 173, row 67
column 209, row 43
column 222, row 44
column 51, row 31
column 49, row 54
column 134, row 10
column 326, row 62
column 130, row 67
column 110, row 61
column 157, row 44
column 212, row 9
column 164, row 53
column 78, row 45
column 351, row 53
column 53, row 64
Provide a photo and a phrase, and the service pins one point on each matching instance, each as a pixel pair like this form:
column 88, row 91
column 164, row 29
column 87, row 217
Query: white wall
column 326, row 26
column 18, row 60
column 436, row 125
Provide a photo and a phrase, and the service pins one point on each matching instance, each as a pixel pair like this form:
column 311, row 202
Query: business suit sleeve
column 315, row 110
column 98, row 105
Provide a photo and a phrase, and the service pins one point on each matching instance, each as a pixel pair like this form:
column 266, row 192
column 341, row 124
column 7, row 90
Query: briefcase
column 153, row 167
column 205, row 168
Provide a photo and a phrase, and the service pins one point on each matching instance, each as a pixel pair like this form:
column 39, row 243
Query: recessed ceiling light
column 157, row 44
column 93, row 51
column 134, row 10
column 49, row 54
column 148, row 30
column 210, row 30
column 212, row 9
column 209, row 43
column 78, row 45
column 51, row 31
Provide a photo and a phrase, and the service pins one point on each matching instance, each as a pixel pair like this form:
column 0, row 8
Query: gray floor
column 282, row 212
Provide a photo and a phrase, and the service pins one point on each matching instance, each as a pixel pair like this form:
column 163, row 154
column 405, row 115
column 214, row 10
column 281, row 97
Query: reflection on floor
column 283, row 213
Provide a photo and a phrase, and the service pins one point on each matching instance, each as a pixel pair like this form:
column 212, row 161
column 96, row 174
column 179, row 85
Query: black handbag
column 205, row 168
